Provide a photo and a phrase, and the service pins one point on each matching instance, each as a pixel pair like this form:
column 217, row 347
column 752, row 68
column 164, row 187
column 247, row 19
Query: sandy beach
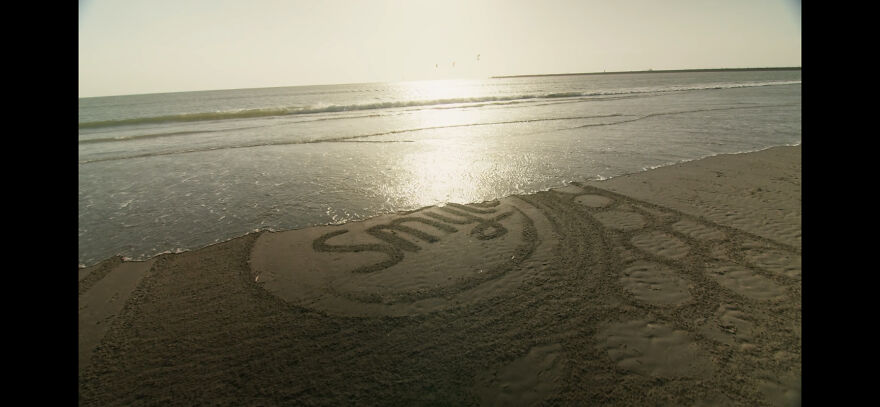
column 679, row 285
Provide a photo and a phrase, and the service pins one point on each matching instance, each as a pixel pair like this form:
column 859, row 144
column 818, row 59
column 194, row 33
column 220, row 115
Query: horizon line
column 489, row 77
column 787, row 68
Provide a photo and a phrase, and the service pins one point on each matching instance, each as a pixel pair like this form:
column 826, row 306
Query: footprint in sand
column 525, row 381
column 730, row 326
column 782, row 390
column 103, row 299
column 655, row 349
column 655, row 284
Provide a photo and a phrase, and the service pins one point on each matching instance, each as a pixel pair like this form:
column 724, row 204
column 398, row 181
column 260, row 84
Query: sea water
column 177, row 171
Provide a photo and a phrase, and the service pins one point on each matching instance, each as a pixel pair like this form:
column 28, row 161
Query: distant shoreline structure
column 652, row 71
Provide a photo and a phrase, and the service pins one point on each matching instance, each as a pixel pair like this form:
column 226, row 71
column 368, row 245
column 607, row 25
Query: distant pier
column 654, row 71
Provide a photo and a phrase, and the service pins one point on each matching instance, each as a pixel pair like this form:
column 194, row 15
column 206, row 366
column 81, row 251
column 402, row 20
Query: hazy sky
column 150, row 46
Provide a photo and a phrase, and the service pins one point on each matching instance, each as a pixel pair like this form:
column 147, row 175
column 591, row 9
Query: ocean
column 171, row 172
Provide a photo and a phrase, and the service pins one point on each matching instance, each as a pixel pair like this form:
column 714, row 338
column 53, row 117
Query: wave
column 300, row 110
column 353, row 138
column 672, row 113
column 137, row 137
column 622, row 119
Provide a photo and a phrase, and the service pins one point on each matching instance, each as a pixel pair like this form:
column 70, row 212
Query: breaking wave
column 300, row 110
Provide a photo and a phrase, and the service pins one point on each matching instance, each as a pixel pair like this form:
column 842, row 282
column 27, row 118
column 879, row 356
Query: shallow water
column 172, row 172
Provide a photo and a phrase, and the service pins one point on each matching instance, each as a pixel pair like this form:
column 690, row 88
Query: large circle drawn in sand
column 405, row 264
column 745, row 282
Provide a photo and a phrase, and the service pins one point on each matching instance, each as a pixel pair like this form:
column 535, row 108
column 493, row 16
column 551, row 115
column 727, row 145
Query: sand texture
column 676, row 286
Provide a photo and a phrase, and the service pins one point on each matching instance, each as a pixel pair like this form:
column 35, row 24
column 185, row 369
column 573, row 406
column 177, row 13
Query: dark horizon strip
column 652, row 71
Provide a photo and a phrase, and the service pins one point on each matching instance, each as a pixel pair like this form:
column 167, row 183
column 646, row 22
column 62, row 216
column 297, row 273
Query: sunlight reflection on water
column 151, row 188
column 444, row 168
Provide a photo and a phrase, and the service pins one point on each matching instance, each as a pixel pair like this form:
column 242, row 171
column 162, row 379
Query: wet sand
column 675, row 286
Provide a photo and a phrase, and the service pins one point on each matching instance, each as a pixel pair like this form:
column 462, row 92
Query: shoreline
column 82, row 266
column 678, row 284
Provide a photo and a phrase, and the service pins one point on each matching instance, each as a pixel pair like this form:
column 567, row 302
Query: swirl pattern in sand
column 403, row 264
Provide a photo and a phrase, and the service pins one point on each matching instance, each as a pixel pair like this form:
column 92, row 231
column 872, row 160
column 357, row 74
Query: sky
column 157, row 46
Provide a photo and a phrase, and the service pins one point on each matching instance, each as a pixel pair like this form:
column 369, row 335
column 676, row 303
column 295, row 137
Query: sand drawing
column 733, row 327
column 657, row 262
column 654, row 349
column 574, row 296
column 395, row 246
column 605, row 289
column 654, row 283
column 405, row 257
column 405, row 264
column 665, row 264
column 697, row 231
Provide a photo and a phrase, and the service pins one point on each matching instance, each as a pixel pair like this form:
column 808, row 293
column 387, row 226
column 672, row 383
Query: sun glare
column 438, row 89
column 443, row 171
column 445, row 166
